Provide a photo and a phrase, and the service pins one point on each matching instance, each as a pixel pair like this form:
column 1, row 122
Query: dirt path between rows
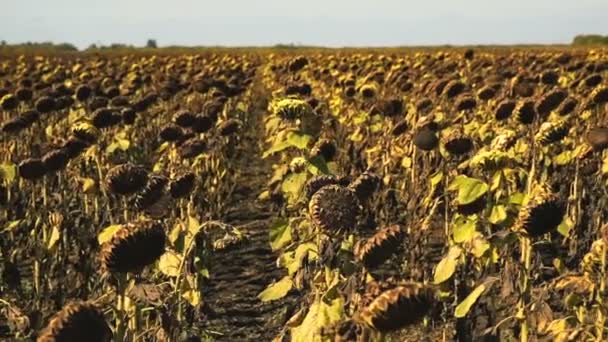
column 240, row 273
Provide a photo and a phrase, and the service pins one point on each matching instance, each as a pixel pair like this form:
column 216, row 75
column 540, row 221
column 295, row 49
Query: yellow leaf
column 280, row 235
column 192, row 296
column 276, row 290
column 88, row 185
column 463, row 308
column 55, row 235
column 447, row 266
column 169, row 263
column 108, row 233
column 8, row 172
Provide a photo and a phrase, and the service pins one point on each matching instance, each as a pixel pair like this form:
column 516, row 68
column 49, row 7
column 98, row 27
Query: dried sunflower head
column 550, row 101
column 152, row 194
column 126, row 179
column 542, row 214
column 229, row 127
column 133, row 247
column 567, row 106
column 453, row 88
column 317, row 182
column 31, row 169
column 334, row 209
column 597, row 138
column 78, row 321
column 56, row 160
column 182, row 185
column 192, row 148
column 426, row 139
column 380, row 247
column 325, row 148
column 396, row 308
column 83, row 92
column 365, row 185
column 456, row 143
column 552, row 132
column 202, row 123
column 526, row 112
column 171, row 132
column 599, row 95
column 14, row 125
column 45, row 104
column 504, row 109
column 9, row 102
column 466, row 102
column 86, row 132
column 105, row 117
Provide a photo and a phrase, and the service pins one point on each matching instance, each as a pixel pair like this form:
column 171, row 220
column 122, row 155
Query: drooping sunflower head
column 380, row 247
column 291, row 108
column 78, row 321
column 182, row 184
column 542, row 214
column 398, row 307
column 457, row 143
column 133, row 247
column 365, row 185
column 31, row 169
column 334, row 209
column 126, row 179
column 552, row 132
column 324, row 148
column 153, row 193
column 56, row 160
column 86, row 132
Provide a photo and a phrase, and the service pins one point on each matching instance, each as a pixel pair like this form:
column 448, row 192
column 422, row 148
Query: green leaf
column 565, row 227
column 436, row 178
column 469, row 189
column 293, row 184
column 499, row 214
column 280, row 234
column 517, row 198
column 447, row 266
column 298, row 140
column 293, row 260
column 465, row 306
column 8, row 172
column 12, row 225
column 276, row 290
column 169, row 263
column 107, row 233
column 563, row 158
column 318, row 166
column 464, row 231
column 320, row 315
column 278, row 146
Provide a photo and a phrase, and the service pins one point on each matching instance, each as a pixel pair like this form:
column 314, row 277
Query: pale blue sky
column 312, row 22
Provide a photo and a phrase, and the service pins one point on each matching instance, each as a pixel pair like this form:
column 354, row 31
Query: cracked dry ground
column 240, row 273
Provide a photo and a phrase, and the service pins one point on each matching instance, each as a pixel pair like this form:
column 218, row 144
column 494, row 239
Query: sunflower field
column 305, row 195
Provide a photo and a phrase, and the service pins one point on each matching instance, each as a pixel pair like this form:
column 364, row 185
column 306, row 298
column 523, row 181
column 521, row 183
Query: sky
column 332, row 23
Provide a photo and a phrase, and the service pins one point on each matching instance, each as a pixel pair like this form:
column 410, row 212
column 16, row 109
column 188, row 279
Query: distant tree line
column 590, row 39
column 42, row 46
